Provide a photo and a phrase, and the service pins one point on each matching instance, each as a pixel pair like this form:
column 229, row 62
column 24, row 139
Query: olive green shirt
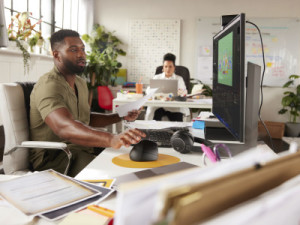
column 52, row 92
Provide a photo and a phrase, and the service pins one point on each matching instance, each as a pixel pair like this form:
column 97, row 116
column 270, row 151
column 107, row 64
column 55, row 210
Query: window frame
column 53, row 16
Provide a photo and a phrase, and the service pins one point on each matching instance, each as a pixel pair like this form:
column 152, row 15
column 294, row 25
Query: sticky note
column 199, row 124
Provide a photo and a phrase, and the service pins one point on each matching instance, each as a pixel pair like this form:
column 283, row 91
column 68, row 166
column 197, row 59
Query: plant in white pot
column 291, row 104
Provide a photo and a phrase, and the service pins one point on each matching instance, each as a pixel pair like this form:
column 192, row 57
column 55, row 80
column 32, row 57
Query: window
column 55, row 14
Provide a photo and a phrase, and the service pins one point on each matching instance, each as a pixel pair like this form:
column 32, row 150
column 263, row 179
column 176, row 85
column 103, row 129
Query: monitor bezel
column 237, row 23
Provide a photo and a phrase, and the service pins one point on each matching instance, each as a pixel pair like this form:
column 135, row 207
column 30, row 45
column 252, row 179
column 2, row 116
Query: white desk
column 191, row 103
column 102, row 167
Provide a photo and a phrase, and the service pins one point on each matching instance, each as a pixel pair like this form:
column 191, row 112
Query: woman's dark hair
column 170, row 57
column 59, row 36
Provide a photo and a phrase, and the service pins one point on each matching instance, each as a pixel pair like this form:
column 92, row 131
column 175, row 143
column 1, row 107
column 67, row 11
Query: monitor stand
column 221, row 135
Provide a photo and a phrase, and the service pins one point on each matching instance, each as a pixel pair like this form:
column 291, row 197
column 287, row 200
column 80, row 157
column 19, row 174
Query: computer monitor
column 235, row 92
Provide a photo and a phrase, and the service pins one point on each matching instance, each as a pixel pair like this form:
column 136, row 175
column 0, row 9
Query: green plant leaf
column 291, row 99
column 282, row 111
column 286, row 101
column 287, row 84
column 293, row 77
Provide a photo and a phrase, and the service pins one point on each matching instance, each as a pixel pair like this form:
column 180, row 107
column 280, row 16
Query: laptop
column 165, row 85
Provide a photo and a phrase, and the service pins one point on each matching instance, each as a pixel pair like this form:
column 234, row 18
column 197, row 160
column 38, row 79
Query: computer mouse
column 144, row 151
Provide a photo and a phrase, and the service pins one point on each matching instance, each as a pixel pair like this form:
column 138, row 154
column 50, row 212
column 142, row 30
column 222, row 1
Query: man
column 60, row 111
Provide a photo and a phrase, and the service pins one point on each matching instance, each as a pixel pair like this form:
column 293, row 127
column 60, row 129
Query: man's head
column 68, row 51
column 169, row 64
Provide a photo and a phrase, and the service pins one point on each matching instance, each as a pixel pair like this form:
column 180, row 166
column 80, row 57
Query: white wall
column 12, row 67
column 115, row 16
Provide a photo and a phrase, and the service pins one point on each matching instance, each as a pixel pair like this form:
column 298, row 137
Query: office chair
column 185, row 74
column 180, row 71
column 105, row 97
column 15, row 106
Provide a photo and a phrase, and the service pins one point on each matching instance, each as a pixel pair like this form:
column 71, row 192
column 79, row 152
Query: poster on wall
column 149, row 41
column 281, row 39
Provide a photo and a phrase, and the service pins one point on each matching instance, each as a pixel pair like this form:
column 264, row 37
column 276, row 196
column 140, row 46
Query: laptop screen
column 165, row 85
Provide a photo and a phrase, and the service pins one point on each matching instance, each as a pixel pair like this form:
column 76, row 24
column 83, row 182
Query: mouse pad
column 163, row 160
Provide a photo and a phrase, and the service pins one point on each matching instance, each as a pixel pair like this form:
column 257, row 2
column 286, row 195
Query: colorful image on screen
column 225, row 50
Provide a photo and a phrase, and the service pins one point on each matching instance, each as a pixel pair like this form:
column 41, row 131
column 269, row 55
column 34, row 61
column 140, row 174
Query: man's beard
column 73, row 68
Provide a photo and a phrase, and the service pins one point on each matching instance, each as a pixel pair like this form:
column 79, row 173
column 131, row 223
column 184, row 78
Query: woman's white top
column 181, row 85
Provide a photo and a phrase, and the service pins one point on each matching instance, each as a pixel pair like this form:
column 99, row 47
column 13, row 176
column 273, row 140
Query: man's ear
column 55, row 54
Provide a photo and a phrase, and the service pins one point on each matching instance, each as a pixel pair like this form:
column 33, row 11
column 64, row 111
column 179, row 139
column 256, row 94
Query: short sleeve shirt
column 52, row 92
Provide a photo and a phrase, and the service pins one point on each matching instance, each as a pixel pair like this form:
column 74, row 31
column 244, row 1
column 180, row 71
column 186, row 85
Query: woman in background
column 173, row 114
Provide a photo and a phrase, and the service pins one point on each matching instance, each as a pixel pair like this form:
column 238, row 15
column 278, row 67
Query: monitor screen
column 229, row 78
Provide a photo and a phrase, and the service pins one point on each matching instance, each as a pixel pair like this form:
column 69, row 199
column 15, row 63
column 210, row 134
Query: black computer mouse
column 144, row 151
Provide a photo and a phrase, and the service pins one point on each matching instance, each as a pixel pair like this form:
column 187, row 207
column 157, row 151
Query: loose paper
column 123, row 110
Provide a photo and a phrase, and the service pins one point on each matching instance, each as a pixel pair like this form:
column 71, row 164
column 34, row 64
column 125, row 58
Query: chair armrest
column 45, row 145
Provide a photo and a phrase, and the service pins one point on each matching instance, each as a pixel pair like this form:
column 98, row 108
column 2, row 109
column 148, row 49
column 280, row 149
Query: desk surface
column 102, row 167
column 190, row 103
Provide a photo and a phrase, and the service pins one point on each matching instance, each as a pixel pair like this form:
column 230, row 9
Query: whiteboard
column 150, row 40
column 281, row 38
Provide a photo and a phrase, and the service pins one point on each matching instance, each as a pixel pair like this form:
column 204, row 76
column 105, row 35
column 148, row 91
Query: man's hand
column 132, row 115
column 131, row 136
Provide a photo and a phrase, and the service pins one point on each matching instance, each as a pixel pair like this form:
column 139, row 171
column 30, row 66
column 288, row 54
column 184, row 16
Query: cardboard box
column 276, row 129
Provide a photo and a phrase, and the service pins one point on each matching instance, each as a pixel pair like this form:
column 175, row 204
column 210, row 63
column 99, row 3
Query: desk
column 102, row 167
column 191, row 103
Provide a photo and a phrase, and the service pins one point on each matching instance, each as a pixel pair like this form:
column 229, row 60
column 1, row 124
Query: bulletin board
column 281, row 38
column 149, row 41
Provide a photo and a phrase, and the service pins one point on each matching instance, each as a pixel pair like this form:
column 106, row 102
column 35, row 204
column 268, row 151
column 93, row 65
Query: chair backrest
column 16, row 127
column 180, row 71
column 105, row 97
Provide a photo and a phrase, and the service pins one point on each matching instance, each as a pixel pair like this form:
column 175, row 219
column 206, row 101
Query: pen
column 102, row 211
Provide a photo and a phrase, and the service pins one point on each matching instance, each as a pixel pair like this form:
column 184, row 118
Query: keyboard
column 162, row 137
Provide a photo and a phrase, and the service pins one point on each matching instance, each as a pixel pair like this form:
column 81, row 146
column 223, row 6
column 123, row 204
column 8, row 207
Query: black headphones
column 183, row 142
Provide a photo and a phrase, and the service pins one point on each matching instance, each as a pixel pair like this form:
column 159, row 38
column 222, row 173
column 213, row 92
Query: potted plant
column 291, row 104
column 22, row 31
column 102, row 64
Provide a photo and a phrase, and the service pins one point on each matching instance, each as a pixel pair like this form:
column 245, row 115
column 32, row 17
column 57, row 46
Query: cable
column 261, row 83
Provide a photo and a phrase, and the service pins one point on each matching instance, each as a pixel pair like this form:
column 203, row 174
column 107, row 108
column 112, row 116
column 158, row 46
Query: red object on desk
column 111, row 222
column 105, row 97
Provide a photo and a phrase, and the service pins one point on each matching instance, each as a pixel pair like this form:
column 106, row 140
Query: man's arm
column 103, row 120
column 63, row 125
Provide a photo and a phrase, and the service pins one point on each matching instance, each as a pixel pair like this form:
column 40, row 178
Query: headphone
column 183, row 142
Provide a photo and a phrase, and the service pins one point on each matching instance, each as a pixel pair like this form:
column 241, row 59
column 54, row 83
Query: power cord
column 261, row 83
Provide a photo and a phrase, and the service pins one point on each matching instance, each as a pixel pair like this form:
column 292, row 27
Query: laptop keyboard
column 162, row 136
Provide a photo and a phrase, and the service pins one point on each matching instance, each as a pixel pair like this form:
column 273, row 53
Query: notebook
column 165, row 85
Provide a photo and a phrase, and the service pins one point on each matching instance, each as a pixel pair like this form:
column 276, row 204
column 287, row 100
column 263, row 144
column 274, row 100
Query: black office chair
column 180, row 71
